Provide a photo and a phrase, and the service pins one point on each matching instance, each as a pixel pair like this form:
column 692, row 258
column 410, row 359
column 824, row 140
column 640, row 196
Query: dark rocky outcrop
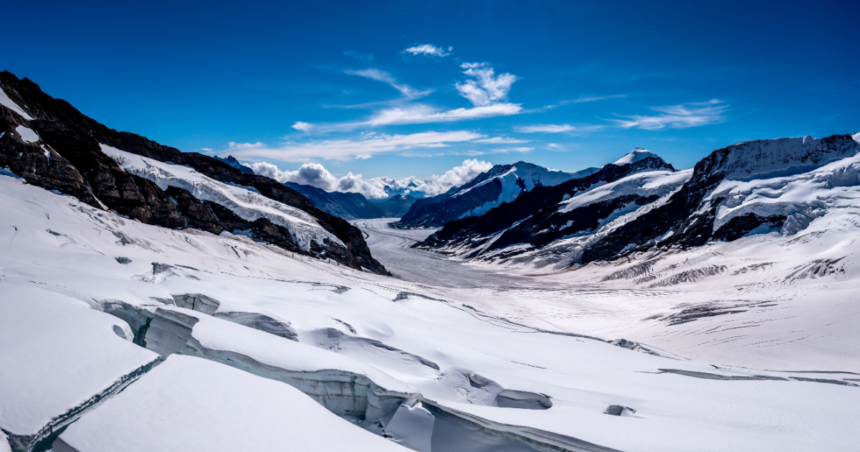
column 463, row 201
column 690, row 219
column 68, row 158
column 538, row 212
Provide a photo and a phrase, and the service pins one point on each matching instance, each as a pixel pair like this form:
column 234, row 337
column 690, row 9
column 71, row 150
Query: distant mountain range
column 501, row 184
column 640, row 203
column 353, row 206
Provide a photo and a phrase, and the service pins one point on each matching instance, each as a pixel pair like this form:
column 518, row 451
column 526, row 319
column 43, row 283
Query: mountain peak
column 635, row 155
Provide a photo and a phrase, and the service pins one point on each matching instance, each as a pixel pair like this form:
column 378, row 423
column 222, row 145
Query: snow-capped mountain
column 761, row 186
column 713, row 204
column 230, row 160
column 396, row 206
column 152, row 300
column 501, row 184
column 349, row 206
column 52, row 145
column 546, row 214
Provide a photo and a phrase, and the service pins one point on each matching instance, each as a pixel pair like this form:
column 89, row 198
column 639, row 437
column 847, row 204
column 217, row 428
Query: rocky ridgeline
column 65, row 156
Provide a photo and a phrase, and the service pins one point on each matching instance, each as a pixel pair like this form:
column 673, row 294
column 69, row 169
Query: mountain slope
column 349, row 206
column 396, row 206
column 755, row 187
column 540, row 215
column 83, row 309
column 61, row 149
column 502, row 183
column 688, row 217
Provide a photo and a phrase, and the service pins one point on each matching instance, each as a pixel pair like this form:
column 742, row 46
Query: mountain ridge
column 75, row 165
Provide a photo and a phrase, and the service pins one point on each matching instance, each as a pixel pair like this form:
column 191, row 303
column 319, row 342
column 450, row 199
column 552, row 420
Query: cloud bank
column 317, row 175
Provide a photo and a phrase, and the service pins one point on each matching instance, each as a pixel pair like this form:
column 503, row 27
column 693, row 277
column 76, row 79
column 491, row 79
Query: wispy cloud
column 584, row 99
column 429, row 50
column 384, row 77
column 501, row 140
column 509, row 150
column 348, row 149
column 364, row 58
column 422, row 114
column 682, row 116
column 545, row 128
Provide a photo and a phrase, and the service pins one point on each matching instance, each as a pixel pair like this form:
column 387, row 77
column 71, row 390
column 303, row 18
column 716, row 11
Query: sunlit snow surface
column 480, row 340
column 190, row 404
column 10, row 104
column 244, row 202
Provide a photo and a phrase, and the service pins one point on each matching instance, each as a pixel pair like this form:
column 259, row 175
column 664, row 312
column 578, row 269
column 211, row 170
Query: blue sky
column 412, row 89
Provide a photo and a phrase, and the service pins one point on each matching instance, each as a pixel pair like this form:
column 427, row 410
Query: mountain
column 52, row 145
column 350, row 206
column 761, row 186
column 545, row 214
column 721, row 201
column 395, row 206
column 502, row 183
column 230, row 160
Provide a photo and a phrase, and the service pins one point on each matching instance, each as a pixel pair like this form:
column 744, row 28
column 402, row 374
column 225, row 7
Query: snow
column 634, row 156
column 529, row 175
column 56, row 353
column 10, row 104
column 4, row 444
column 412, row 426
column 489, row 332
column 271, row 350
column 801, row 198
column 761, row 159
column 247, row 204
column 192, row 404
column 27, row 134
column 646, row 184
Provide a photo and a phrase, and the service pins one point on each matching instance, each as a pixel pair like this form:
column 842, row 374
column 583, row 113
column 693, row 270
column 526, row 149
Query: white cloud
column 429, row 50
column 678, row 116
column 303, row 126
column 584, row 99
column 422, row 114
column 348, row 149
column 317, row 175
column 545, row 128
column 501, row 140
column 384, row 77
column 485, row 88
column 207, row 149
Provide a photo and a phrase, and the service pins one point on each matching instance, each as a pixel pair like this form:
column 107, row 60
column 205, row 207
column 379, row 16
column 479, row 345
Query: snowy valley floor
column 736, row 304
column 97, row 311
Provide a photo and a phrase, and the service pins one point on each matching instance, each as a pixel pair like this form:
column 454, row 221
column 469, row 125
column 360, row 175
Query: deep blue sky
column 678, row 78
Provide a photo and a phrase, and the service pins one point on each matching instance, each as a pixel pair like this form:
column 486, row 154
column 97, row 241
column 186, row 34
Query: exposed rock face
column 67, row 157
column 538, row 212
column 687, row 219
